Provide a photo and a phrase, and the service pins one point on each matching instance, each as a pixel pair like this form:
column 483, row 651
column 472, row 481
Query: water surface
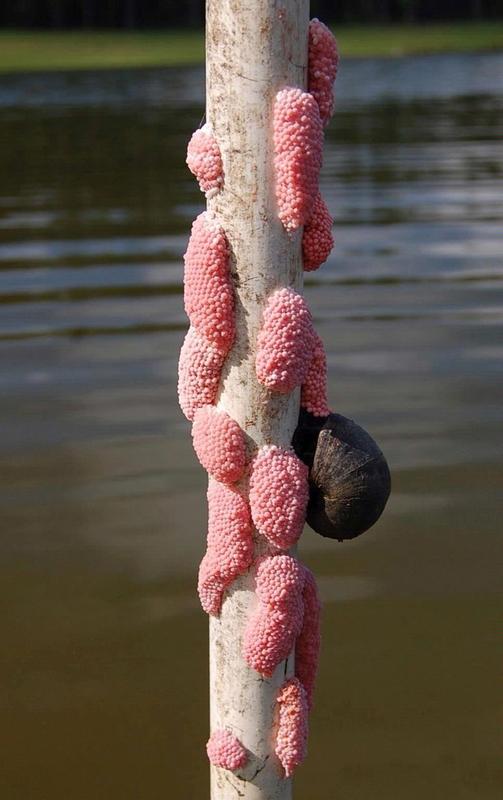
column 103, row 669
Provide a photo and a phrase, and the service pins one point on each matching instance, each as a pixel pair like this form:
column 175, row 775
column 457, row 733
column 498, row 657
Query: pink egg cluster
column 279, row 492
column 307, row 646
column 208, row 294
column 317, row 237
column 273, row 491
column 288, row 615
column 226, row 751
column 205, row 161
column 219, row 444
column 292, row 726
column 199, row 370
column 298, row 145
column 277, row 621
column 313, row 396
column 322, row 67
column 285, row 342
column 229, row 546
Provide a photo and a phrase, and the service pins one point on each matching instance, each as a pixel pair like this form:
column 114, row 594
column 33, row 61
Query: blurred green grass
column 22, row 51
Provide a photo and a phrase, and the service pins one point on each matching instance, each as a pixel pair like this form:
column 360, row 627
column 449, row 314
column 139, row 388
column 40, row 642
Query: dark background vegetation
column 172, row 13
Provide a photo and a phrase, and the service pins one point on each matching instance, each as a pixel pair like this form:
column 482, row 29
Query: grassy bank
column 33, row 50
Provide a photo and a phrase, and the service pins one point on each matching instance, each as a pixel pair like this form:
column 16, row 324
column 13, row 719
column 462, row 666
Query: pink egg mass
column 219, row 444
column 208, row 292
column 279, row 492
column 307, row 646
column 229, row 547
column 279, row 580
column 313, row 396
column 322, row 67
column 199, row 370
column 317, row 237
column 205, row 161
column 298, row 145
column 292, row 726
column 257, row 510
column 277, row 621
column 285, row 342
column 226, row 751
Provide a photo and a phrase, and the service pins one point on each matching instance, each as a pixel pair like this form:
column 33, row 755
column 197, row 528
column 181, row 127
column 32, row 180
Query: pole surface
column 253, row 49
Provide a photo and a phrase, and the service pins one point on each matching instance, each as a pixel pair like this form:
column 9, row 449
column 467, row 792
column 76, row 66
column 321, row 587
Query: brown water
column 103, row 679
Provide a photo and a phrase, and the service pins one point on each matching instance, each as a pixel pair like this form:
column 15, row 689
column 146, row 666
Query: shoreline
column 40, row 51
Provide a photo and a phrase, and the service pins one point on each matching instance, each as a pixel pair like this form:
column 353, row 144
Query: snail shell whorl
column 349, row 478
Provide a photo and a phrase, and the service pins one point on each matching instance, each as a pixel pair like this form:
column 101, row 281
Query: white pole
column 253, row 49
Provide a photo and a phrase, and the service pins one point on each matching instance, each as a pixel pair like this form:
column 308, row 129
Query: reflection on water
column 104, row 660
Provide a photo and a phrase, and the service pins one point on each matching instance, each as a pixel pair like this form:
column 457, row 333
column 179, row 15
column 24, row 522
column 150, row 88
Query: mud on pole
column 253, row 49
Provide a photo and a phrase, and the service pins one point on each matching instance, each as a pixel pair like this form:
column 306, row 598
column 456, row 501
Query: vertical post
column 253, row 49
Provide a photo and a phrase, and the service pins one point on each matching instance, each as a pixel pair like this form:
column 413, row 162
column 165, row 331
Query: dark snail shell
column 349, row 479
